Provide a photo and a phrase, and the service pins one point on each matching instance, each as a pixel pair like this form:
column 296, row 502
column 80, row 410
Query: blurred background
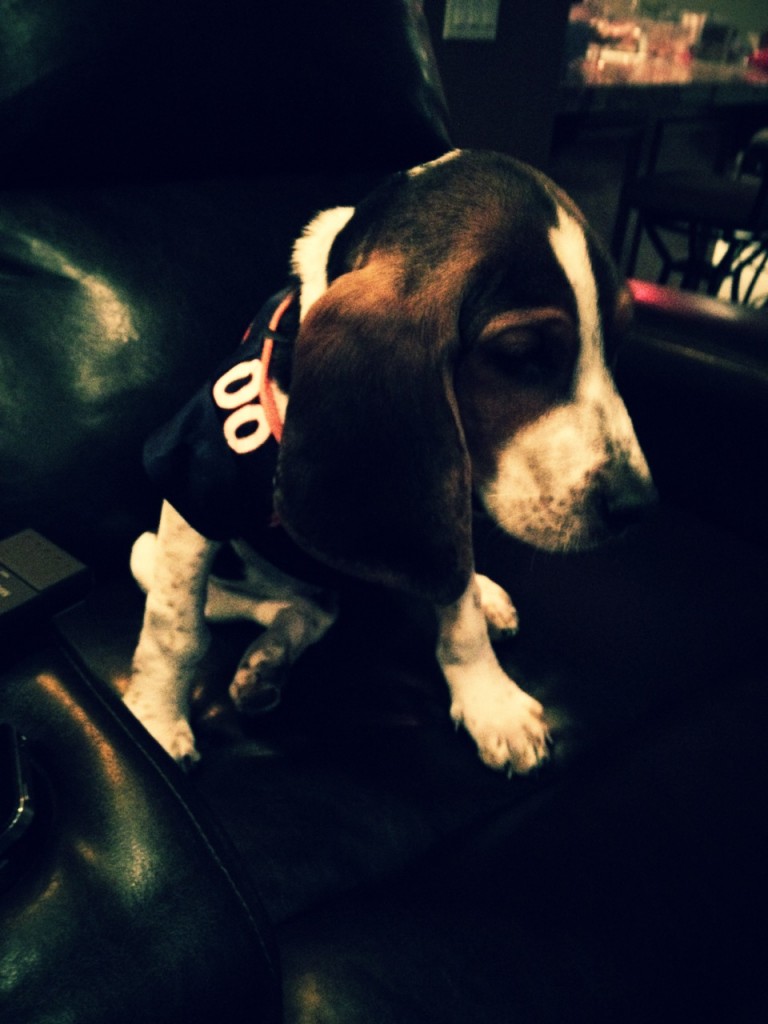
column 601, row 93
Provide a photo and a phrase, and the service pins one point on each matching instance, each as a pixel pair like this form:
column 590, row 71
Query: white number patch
column 246, row 428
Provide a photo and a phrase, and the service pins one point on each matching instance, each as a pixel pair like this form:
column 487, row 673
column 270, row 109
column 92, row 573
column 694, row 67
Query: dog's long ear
column 373, row 475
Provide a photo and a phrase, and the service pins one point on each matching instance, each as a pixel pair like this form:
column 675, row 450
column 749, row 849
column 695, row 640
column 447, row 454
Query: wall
column 502, row 95
column 746, row 15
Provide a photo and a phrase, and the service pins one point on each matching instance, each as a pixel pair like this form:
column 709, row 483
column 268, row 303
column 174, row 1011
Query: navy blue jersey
column 215, row 460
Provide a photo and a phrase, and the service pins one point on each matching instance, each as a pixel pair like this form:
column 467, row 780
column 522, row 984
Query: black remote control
column 37, row 579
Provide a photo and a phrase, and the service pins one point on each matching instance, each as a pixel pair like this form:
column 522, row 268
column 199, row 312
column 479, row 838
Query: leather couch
column 347, row 858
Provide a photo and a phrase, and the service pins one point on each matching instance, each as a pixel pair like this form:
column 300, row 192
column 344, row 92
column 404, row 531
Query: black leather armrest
column 686, row 318
column 694, row 375
column 124, row 904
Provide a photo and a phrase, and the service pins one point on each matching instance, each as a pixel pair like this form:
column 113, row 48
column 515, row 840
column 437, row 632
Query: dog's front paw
column 500, row 614
column 169, row 727
column 505, row 722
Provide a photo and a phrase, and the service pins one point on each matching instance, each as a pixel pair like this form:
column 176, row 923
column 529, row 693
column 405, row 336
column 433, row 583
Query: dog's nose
column 628, row 503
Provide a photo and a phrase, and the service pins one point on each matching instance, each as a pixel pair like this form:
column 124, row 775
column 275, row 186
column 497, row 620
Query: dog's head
column 456, row 332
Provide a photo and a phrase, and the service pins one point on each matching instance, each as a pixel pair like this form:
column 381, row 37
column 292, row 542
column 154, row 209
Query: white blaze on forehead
column 569, row 245
column 450, row 155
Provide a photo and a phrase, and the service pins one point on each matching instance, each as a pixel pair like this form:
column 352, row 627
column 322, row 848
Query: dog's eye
column 530, row 361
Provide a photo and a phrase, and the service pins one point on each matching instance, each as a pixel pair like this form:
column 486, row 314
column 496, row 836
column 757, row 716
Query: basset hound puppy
column 448, row 338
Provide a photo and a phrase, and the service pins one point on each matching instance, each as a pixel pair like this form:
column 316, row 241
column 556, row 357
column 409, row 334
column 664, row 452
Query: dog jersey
column 215, row 460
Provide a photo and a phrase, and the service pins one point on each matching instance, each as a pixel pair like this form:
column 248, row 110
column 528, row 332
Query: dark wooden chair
column 703, row 208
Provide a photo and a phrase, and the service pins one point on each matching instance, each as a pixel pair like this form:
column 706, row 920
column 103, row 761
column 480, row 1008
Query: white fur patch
column 310, row 253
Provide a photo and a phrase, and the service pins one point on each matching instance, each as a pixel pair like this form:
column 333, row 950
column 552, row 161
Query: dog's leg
column 258, row 681
column 294, row 615
column 174, row 636
column 505, row 722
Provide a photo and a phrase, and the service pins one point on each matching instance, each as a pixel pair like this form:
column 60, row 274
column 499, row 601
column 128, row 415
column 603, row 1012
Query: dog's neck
column 309, row 261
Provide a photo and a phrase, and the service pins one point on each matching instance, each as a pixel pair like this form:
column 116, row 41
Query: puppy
column 447, row 338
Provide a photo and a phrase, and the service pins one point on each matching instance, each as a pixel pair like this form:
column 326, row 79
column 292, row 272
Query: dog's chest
column 215, row 460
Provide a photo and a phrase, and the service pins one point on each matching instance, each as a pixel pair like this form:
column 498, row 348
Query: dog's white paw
column 258, row 682
column 500, row 613
column 168, row 726
column 506, row 723
column 178, row 740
